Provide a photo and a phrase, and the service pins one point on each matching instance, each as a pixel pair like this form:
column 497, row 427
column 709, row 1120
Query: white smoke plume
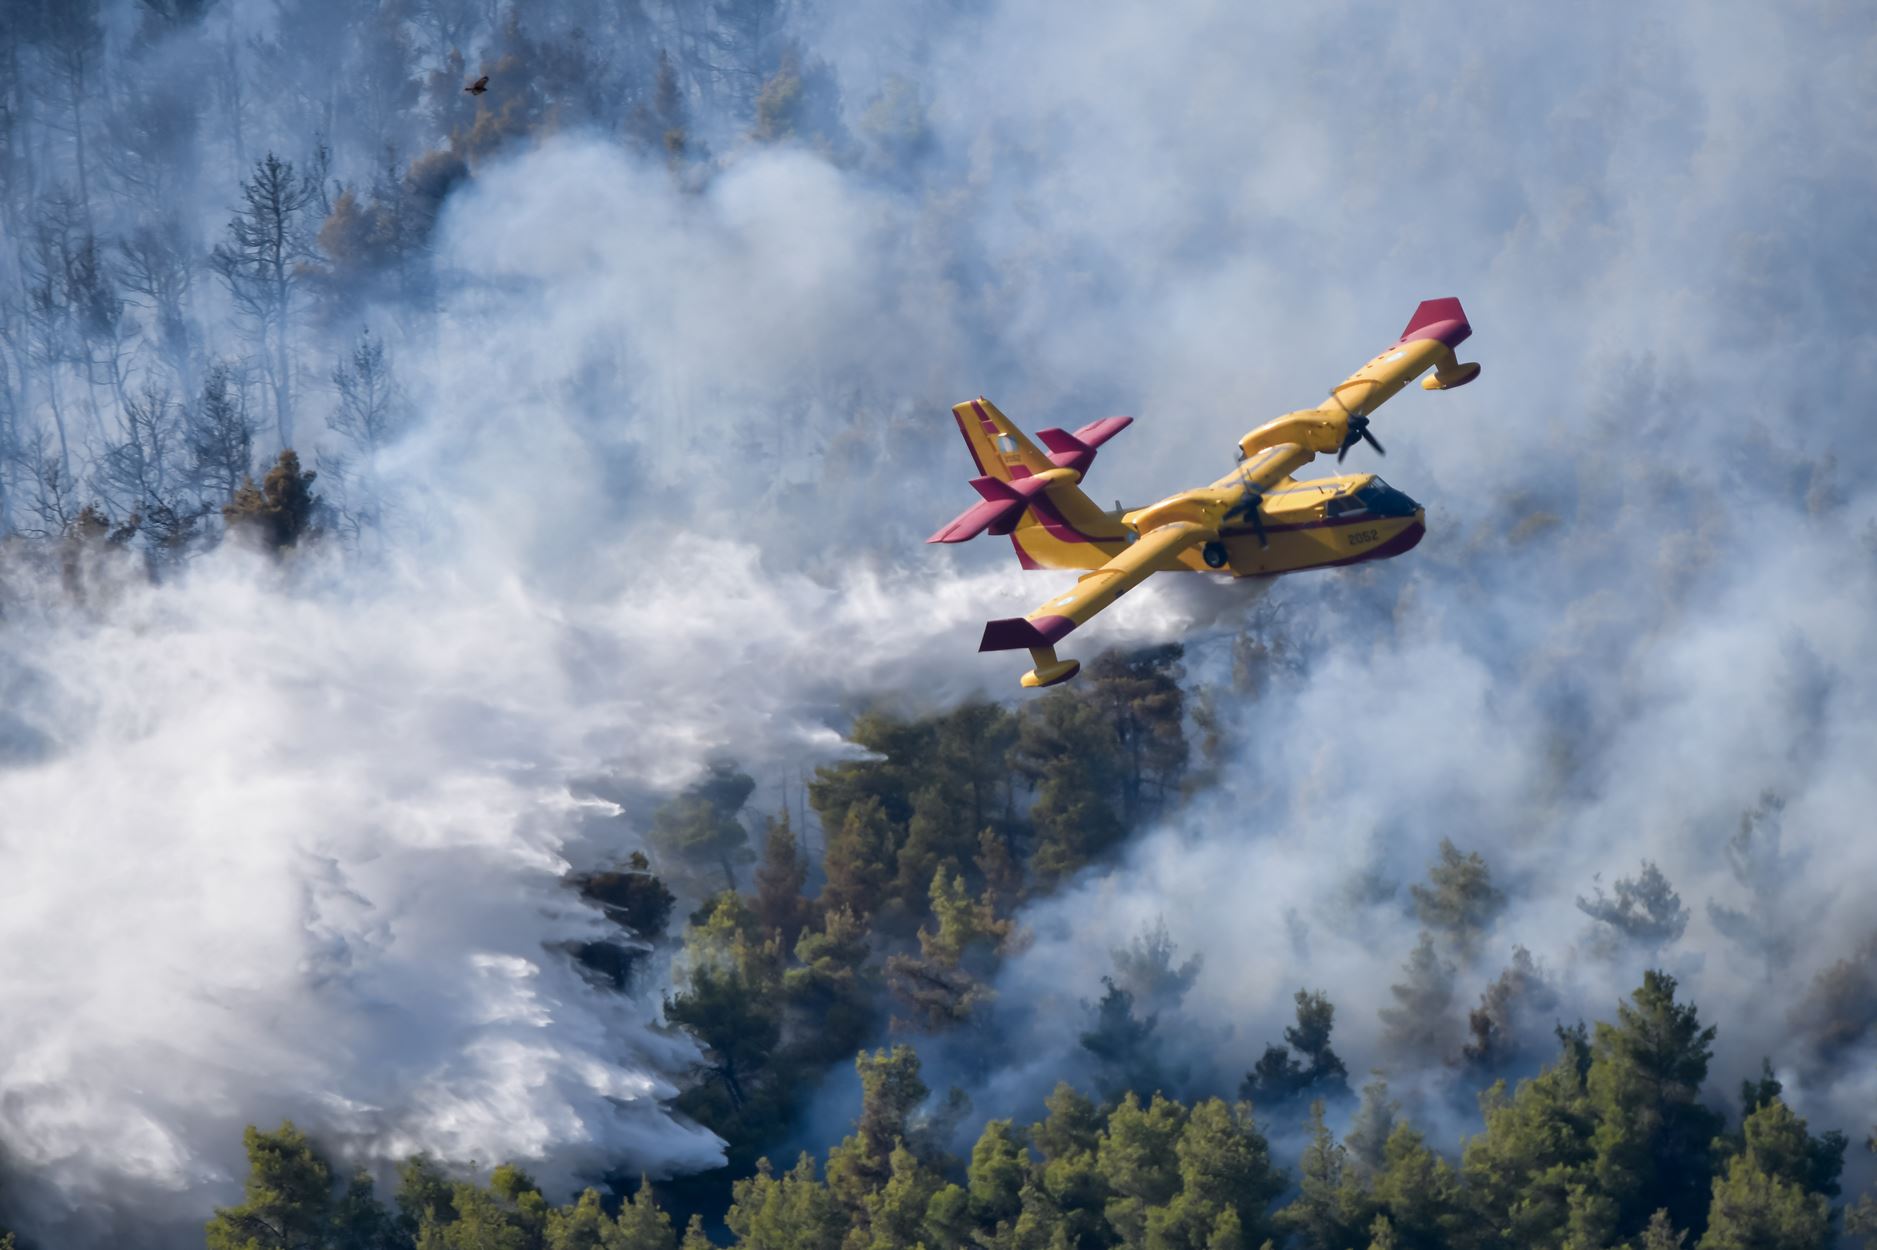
column 290, row 842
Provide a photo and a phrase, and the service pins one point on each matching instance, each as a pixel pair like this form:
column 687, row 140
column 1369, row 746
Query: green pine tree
column 896, row 1213
column 1459, row 900
column 945, row 983
column 287, row 1197
column 859, row 858
column 1419, row 1192
column 830, row 993
column 1332, row 1207
column 1653, row 1133
column 698, row 832
column 1759, row 1204
column 641, row 1225
column 1140, row 694
column 793, row 1211
column 583, row 1225
column 1537, row 1150
column 779, row 905
column 1225, row 1167
column 1139, row 1160
column 1068, row 750
column 696, row 1239
column 995, row 1179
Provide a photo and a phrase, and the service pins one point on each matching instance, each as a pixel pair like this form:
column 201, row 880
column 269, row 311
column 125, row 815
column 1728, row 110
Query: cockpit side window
column 1344, row 505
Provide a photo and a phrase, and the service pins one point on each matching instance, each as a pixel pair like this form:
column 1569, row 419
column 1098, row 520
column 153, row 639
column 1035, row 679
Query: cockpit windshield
column 1383, row 500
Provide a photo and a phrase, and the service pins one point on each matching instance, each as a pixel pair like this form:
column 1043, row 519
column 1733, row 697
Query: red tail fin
column 1441, row 319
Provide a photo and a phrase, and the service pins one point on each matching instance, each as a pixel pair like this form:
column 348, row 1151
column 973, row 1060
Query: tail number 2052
column 1363, row 536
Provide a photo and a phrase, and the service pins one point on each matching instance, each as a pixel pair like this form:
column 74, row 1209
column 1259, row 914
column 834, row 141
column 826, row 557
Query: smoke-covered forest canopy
column 486, row 759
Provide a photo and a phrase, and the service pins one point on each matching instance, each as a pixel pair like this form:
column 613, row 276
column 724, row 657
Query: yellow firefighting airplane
column 1257, row 521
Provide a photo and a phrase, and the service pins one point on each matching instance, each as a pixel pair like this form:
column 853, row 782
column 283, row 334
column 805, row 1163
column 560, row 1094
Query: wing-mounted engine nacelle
column 1314, row 428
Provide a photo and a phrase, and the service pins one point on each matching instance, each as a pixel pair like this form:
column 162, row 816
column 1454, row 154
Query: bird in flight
column 479, row 86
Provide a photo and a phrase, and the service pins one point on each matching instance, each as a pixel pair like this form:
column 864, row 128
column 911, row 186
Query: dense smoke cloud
column 290, row 844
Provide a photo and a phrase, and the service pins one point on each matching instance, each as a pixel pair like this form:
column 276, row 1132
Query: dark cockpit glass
column 1383, row 500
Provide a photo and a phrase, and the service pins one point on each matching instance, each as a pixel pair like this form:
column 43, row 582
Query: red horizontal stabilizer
column 1441, row 319
column 999, row 513
column 1077, row 451
column 1095, row 433
column 1014, row 633
column 993, row 490
column 1058, row 439
column 975, row 520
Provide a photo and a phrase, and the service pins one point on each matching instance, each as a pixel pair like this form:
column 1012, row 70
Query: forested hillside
column 476, row 709
column 1617, row 1140
column 1579, row 1155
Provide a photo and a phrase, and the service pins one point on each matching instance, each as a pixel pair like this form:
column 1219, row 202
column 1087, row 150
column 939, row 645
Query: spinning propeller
column 1251, row 507
column 1359, row 432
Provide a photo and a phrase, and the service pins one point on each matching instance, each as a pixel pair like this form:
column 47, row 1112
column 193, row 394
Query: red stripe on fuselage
column 1319, row 523
column 984, row 420
column 1057, row 524
column 971, row 446
column 1406, row 540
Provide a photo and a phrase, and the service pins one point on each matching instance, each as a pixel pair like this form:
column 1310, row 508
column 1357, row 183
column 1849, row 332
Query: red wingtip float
column 1258, row 521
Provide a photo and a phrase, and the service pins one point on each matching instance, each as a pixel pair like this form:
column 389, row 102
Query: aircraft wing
column 1158, row 549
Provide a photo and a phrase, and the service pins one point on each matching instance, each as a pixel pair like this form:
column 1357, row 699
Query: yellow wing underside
column 1156, row 551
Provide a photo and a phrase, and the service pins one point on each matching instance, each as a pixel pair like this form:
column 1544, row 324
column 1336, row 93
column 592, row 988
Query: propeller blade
column 1359, row 432
column 1250, row 504
column 1251, row 507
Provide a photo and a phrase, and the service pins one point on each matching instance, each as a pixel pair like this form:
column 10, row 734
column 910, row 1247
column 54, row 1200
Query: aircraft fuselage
column 1322, row 523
